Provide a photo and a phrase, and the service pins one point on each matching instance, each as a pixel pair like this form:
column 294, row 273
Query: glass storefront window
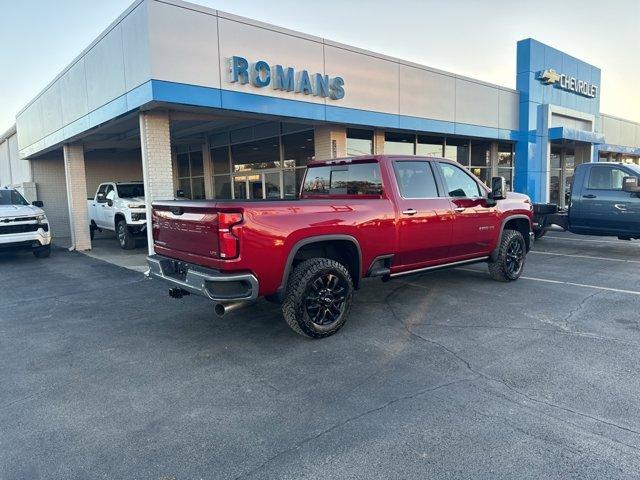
column 457, row 149
column 272, row 185
column 359, row 142
column 430, row 146
column 483, row 174
column 222, row 186
column 191, row 173
column 505, row 155
column 399, row 143
column 197, row 168
column 184, row 184
column 183, row 165
column 197, row 188
column 292, row 180
column 554, row 176
column 480, row 153
column 240, row 187
column 506, row 163
column 220, row 160
column 507, row 173
column 256, row 155
column 298, row 149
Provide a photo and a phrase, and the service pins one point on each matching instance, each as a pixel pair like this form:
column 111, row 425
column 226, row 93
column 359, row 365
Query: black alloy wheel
column 507, row 263
column 515, row 257
column 122, row 234
column 318, row 298
column 325, row 299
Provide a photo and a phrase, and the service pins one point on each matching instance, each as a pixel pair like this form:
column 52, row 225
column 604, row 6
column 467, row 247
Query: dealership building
column 189, row 98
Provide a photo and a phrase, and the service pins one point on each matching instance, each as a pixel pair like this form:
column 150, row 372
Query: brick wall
column 76, row 180
column 157, row 164
column 378, row 142
column 48, row 175
column 330, row 142
column 109, row 166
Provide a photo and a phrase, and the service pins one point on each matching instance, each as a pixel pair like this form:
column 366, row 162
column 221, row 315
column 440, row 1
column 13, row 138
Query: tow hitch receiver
column 178, row 292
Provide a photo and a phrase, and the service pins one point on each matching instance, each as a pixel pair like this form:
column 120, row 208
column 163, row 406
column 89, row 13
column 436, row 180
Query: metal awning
column 574, row 135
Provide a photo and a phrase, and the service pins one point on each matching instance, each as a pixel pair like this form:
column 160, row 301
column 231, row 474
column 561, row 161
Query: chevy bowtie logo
column 549, row 76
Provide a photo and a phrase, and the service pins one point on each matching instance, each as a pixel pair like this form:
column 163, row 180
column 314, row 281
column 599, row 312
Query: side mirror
column 498, row 188
column 180, row 193
column 110, row 202
column 630, row 184
column 38, row 204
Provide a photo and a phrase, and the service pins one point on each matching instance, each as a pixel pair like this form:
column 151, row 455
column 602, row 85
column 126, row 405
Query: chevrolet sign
column 568, row 83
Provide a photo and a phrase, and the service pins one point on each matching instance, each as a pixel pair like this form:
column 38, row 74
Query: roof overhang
column 574, row 135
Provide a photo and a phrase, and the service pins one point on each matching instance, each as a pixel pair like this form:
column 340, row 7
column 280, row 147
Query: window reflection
column 359, row 142
column 399, row 143
column 457, row 149
column 256, row 155
column 430, row 146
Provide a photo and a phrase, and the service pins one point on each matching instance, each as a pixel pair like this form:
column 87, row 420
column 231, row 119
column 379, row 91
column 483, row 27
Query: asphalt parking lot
column 444, row 375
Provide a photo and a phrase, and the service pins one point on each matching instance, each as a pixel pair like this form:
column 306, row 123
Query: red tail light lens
column 228, row 242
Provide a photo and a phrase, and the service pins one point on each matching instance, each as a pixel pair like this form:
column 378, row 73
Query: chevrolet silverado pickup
column 119, row 207
column 23, row 226
column 372, row 216
column 604, row 201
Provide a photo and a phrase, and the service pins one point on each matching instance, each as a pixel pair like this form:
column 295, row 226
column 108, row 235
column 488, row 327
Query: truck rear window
column 355, row 179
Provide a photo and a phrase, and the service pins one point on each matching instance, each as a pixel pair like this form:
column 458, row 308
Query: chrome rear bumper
column 207, row 282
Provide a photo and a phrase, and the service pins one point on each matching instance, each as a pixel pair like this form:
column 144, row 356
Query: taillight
column 228, row 242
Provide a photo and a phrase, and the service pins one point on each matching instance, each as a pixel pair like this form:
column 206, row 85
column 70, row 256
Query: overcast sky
column 39, row 38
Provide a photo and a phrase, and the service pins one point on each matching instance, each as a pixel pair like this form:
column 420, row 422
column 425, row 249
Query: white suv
column 23, row 226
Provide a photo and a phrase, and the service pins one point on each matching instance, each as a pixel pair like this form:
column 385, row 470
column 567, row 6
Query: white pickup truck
column 119, row 207
column 23, row 226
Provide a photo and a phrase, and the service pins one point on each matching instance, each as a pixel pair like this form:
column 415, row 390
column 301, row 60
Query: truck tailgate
column 187, row 227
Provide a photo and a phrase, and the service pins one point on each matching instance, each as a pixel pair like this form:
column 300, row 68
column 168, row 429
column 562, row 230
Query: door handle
column 591, row 195
column 621, row 206
column 409, row 211
column 459, row 209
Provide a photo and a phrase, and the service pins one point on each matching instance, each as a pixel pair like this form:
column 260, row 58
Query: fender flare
column 494, row 254
column 317, row 239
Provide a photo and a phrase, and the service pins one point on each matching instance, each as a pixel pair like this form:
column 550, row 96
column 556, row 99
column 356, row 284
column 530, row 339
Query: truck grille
column 24, row 228
column 17, row 219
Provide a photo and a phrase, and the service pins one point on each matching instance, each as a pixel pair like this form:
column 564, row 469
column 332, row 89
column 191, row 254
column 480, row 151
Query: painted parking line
column 590, row 257
column 562, row 282
column 618, row 242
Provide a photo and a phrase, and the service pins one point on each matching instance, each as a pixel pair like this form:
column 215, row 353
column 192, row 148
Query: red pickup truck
column 371, row 216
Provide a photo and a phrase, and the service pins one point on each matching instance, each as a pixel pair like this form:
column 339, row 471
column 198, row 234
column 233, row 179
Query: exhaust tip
column 219, row 309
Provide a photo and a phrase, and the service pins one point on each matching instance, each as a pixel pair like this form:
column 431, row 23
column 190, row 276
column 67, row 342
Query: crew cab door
column 106, row 212
column 476, row 225
column 604, row 207
column 425, row 217
column 98, row 201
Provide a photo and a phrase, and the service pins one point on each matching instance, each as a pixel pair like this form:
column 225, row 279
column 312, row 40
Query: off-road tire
column 294, row 307
column 42, row 252
column 125, row 237
column 499, row 269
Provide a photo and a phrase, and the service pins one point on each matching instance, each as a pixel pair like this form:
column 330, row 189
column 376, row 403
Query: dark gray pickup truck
column 605, row 201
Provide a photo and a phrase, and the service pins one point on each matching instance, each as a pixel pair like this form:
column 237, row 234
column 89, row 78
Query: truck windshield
column 11, row 197
column 355, row 179
column 130, row 190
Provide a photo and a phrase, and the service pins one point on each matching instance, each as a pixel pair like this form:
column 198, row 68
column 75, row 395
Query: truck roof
column 365, row 158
